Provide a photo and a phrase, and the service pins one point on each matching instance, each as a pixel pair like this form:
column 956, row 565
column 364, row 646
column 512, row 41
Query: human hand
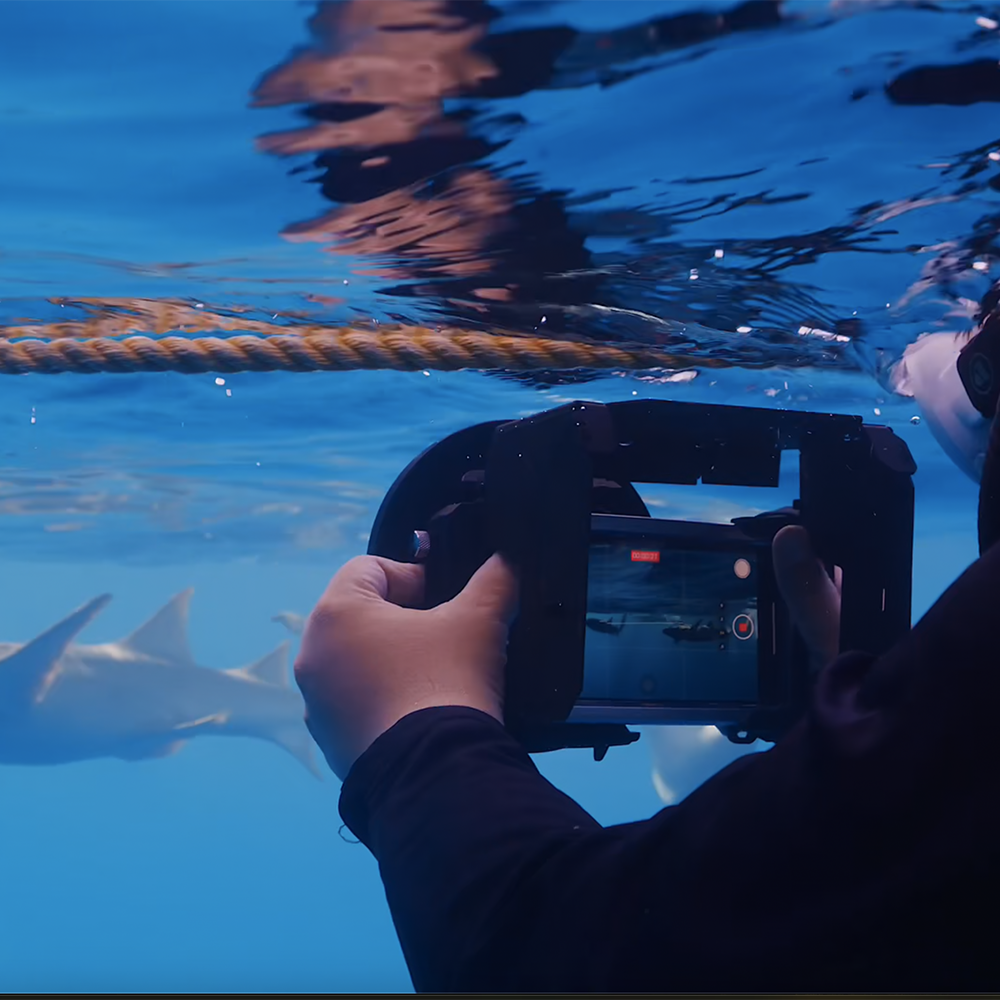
column 813, row 599
column 369, row 656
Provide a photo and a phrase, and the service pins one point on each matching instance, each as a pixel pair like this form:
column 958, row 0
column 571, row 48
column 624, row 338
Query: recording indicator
column 743, row 626
column 645, row 556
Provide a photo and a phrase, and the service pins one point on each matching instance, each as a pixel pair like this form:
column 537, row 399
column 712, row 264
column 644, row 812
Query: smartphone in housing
column 681, row 623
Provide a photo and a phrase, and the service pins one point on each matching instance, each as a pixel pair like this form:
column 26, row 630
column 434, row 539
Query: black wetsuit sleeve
column 844, row 858
column 497, row 881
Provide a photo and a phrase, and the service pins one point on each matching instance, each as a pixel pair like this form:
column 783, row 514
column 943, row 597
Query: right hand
column 813, row 599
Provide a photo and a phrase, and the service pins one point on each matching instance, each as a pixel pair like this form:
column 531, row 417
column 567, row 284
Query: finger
column 810, row 594
column 493, row 588
column 382, row 579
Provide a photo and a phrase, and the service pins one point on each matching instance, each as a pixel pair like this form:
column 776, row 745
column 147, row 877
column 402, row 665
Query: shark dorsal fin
column 270, row 669
column 164, row 636
column 26, row 676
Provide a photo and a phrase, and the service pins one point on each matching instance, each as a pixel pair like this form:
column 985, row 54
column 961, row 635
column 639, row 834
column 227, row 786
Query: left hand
column 369, row 657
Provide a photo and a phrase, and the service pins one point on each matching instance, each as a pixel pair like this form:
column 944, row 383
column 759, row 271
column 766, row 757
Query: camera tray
column 527, row 488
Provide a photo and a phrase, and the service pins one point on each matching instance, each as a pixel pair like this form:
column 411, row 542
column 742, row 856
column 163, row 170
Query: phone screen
column 671, row 620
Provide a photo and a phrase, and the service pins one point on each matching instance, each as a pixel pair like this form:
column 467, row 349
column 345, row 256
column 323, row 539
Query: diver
column 956, row 405
column 858, row 853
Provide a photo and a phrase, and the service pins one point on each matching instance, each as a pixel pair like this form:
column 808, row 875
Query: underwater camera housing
column 552, row 490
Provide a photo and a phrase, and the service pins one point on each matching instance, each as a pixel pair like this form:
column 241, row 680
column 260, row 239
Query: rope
column 102, row 343
column 340, row 350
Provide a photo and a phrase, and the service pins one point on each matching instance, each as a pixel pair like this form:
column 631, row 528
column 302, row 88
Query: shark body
column 138, row 698
column 606, row 625
column 699, row 632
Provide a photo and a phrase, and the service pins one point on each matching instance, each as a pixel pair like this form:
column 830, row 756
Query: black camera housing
column 528, row 488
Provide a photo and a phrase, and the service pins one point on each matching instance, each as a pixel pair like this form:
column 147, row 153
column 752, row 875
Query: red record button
column 743, row 626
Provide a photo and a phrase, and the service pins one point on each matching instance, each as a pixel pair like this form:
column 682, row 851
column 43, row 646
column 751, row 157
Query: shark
column 699, row 632
column 139, row 698
column 295, row 623
column 606, row 625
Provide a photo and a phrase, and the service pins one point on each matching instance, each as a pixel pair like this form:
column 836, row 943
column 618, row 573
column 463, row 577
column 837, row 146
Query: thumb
column 810, row 594
column 383, row 579
column 492, row 589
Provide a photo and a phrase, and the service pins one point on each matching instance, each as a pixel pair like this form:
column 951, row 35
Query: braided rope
column 334, row 351
column 106, row 342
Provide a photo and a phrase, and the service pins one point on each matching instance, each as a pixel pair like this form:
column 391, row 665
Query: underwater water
column 780, row 197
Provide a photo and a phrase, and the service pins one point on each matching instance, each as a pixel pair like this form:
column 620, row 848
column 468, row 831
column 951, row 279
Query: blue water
column 130, row 168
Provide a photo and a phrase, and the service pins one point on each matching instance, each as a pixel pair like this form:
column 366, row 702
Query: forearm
column 465, row 831
column 498, row 882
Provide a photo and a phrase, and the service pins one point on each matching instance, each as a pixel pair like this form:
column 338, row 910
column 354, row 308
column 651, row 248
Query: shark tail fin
column 164, row 636
column 297, row 741
column 271, row 668
column 666, row 794
column 28, row 673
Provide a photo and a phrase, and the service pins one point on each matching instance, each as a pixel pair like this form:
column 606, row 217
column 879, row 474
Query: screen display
column 667, row 623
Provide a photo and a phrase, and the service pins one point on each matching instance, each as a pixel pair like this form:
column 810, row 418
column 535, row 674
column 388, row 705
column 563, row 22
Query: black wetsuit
column 795, row 869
